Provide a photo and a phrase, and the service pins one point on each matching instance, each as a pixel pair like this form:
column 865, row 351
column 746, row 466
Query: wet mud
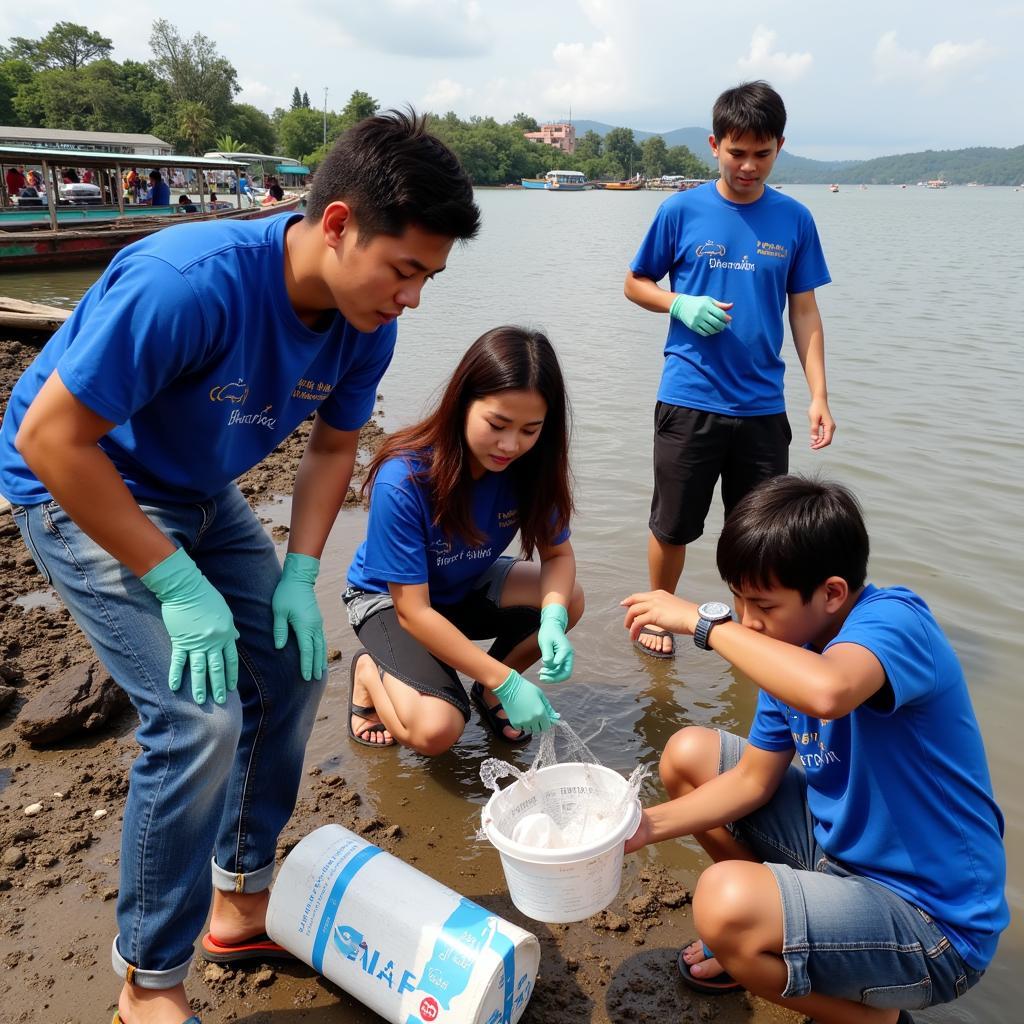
column 61, row 809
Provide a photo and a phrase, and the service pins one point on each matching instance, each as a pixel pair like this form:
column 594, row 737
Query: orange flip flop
column 259, row 947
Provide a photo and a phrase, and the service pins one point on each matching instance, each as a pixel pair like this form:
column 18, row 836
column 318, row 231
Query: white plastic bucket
column 571, row 883
column 411, row 949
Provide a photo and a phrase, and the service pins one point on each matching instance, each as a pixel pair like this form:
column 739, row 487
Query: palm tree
column 194, row 123
column 227, row 144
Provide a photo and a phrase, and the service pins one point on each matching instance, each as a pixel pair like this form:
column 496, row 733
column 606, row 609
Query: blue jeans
column 844, row 935
column 211, row 780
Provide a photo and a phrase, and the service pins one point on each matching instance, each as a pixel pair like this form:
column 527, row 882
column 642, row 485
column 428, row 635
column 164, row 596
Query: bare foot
column 153, row 1005
column 701, row 966
column 662, row 643
column 238, row 916
column 510, row 731
column 362, row 725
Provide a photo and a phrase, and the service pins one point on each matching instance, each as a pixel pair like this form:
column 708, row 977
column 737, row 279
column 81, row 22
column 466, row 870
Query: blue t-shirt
column 750, row 254
column 189, row 343
column 404, row 546
column 901, row 793
column 159, row 194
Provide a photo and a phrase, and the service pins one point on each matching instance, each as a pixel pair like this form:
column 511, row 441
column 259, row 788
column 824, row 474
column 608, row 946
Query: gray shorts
column 844, row 935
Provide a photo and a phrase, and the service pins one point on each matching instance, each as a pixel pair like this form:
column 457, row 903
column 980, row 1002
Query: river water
column 923, row 328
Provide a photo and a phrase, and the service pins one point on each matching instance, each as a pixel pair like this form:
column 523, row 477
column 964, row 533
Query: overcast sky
column 859, row 79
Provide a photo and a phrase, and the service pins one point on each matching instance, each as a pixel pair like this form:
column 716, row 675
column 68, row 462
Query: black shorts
column 478, row 616
column 693, row 448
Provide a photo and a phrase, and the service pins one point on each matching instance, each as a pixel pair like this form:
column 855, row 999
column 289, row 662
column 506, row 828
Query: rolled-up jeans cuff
column 147, row 979
column 253, row 881
column 795, row 945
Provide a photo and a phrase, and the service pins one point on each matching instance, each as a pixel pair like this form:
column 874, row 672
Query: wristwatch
column 711, row 613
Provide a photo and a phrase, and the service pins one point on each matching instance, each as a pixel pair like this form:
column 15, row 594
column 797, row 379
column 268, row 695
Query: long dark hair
column 504, row 359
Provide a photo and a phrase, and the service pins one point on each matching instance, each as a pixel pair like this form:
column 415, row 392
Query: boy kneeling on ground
column 867, row 880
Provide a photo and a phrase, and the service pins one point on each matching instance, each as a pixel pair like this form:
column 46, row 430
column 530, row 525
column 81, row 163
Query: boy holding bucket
column 868, row 880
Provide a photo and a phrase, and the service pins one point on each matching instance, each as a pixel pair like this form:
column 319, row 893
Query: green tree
column 680, row 160
column 525, row 123
column 305, row 99
column 13, row 74
column 250, row 123
column 195, row 126
column 360, row 106
column 66, row 45
column 296, row 99
column 229, row 144
column 620, row 145
column 193, row 70
column 300, row 132
column 655, row 155
column 590, row 146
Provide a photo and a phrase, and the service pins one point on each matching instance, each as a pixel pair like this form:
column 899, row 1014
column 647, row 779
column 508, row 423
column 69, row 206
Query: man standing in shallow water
column 734, row 252
column 117, row 452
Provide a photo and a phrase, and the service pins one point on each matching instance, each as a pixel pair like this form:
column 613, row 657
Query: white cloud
column 442, row 95
column 764, row 62
column 593, row 72
column 934, row 68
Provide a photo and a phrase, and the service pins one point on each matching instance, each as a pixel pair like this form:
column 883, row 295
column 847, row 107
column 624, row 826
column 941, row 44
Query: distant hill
column 987, row 165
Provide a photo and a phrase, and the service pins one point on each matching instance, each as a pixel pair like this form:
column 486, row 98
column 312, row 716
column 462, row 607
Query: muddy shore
column 59, row 864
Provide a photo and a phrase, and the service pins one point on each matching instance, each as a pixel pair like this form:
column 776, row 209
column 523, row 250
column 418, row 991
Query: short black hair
column 753, row 108
column 795, row 532
column 394, row 173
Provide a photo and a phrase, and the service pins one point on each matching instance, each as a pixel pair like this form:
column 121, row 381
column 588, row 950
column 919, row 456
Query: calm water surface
column 923, row 339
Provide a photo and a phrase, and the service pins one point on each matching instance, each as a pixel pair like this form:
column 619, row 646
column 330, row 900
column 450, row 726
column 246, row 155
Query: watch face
column 714, row 610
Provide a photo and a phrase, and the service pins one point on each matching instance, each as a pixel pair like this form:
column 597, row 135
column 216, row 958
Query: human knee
column 689, row 758
column 724, row 901
column 435, row 737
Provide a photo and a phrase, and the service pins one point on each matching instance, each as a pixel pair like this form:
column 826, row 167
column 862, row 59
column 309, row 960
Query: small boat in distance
column 566, row 181
column 937, row 183
column 833, row 188
column 624, row 186
column 533, row 183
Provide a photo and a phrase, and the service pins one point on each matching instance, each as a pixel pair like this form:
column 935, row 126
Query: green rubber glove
column 200, row 625
column 555, row 649
column 294, row 605
column 525, row 704
column 700, row 313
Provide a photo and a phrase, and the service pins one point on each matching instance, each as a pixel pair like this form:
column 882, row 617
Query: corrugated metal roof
column 92, row 158
column 57, row 135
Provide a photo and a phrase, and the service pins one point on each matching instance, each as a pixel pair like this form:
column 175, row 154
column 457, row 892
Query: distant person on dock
column 185, row 205
column 866, row 878
column 734, row 253
column 159, row 193
column 119, row 445
column 14, row 178
column 447, row 496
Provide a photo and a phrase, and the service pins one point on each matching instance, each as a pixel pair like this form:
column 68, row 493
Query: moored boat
column 63, row 233
column 624, row 186
column 534, row 182
column 566, row 181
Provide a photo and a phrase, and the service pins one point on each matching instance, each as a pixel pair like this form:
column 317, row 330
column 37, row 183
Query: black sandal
column 363, row 712
column 493, row 720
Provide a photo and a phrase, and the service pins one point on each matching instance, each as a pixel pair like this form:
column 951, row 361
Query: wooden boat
column 63, row 234
column 623, row 186
column 18, row 315
column 534, row 182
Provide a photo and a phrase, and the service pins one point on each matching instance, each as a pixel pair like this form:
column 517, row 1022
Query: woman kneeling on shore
column 448, row 495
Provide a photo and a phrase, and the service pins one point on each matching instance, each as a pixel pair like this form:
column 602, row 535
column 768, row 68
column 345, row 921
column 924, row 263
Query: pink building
column 561, row 136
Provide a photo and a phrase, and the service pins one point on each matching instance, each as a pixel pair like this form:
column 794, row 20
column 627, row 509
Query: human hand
column 659, row 608
column 823, row 427
column 294, row 604
column 525, row 704
column 701, row 313
column 200, row 626
column 641, row 837
column 555, row 648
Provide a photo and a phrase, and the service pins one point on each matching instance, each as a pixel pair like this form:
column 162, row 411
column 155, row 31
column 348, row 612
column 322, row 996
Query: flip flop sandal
column 192, row 1020
column 493, row 720
column 719, row 985
column 650, row 652
column 361, row 711
column 259, row 947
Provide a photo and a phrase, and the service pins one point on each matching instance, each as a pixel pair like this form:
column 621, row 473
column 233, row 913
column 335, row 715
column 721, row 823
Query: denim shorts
column 844, row 935
column 478, row 616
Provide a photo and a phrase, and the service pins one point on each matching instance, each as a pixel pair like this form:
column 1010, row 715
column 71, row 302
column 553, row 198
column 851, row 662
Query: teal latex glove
column 525, row 704
column 700, row 313
column 555, row 649
column 200, row 625
column 294, row 605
